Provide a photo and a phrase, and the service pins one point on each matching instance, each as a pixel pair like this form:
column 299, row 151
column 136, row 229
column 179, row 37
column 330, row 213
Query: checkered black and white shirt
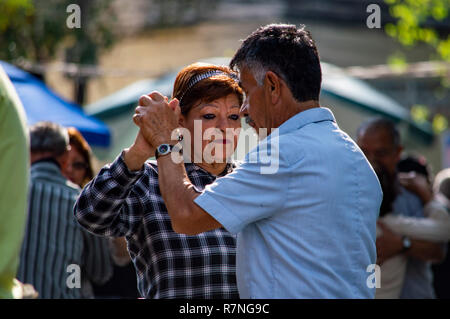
column 118, row 202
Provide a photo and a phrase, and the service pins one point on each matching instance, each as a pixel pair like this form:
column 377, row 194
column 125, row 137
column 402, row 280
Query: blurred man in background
column 379, row 139
column 55, row 247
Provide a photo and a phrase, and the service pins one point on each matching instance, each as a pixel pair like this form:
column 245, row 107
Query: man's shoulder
column 54, row 178
column 72, row 186
column 55, row 183
column 316, row 140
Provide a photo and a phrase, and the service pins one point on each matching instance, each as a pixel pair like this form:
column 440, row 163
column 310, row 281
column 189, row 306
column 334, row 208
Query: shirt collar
column 48, row 166
column 314, row 115
column 47, row 160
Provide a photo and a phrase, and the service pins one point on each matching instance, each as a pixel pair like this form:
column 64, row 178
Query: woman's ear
column 273, row 86
column 181, row 120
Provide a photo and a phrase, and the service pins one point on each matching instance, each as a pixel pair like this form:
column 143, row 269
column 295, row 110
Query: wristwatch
column 163, row 149
column 406, row 243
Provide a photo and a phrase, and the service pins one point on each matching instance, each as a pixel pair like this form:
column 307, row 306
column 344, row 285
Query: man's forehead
column 245, row 76
column 375, row 137
column 376, row 131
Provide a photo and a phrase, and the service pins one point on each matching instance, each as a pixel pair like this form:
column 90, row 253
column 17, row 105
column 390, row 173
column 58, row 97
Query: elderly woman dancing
column 124, row 199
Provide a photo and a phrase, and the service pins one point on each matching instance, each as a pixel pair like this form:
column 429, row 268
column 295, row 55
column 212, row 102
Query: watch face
column 406, row 243
column 163, row 148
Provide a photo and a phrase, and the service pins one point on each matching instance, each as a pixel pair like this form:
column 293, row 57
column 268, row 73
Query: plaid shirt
column 119, row 202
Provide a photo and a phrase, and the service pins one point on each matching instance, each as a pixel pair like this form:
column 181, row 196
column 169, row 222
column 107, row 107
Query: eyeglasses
column 79, row 166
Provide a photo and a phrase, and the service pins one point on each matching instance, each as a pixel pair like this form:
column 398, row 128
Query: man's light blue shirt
column 307, row 230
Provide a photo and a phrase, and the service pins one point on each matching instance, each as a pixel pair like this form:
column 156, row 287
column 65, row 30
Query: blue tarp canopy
column 42, row 104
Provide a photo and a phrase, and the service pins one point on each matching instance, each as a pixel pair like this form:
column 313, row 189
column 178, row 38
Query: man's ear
column 273, row 86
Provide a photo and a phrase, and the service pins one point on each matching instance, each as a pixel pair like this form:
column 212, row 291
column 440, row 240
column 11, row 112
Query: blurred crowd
column 46, row 254
column 43, row 169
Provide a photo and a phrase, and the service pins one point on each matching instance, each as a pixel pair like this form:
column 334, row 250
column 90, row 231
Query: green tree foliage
column 28, row 29
column 412, row 27
column 36, row 29
column 411, row 17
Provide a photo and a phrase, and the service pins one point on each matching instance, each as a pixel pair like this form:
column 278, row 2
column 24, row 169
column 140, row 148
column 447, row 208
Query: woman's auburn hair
column 77, row 140
column 207, row 90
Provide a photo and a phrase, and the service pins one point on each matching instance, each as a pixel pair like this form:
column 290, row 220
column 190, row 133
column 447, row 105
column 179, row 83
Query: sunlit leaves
column 419, row 113
column 440, row 123
column 36, row 29
column 411, row 28
column 410, row 17
column 397, row 62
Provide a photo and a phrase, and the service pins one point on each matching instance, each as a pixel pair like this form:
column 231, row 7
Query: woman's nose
column 223, row 124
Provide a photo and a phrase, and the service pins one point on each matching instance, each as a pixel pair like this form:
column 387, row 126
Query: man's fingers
column 145, row 100
column 174, row 104
column 139, row 110
column 137, row 119
column 156, row 96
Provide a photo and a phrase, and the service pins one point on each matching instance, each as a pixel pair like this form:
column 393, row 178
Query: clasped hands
column 157, row 118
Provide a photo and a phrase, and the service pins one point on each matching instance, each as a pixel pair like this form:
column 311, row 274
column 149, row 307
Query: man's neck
column 299, row 107
column 44, row 157
column 294, row 108
column 213, row 168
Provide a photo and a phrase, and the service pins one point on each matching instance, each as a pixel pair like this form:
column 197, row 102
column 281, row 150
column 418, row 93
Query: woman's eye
column 234, row 117
column 209, row 116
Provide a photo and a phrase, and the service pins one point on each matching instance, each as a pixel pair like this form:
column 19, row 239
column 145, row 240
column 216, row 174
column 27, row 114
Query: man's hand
column 388, row 244
column 417, row 184
column 157, row 118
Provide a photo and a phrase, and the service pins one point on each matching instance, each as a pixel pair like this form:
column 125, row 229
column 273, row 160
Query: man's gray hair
column 259, row 71
column 48, row 137
column 288, row 51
